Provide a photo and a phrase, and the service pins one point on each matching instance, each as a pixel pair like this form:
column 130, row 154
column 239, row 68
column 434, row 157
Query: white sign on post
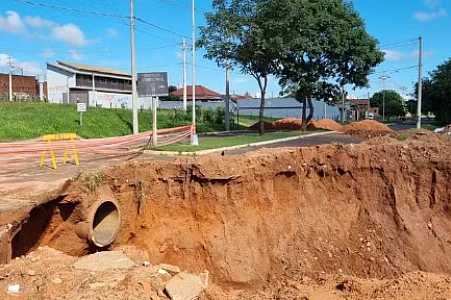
column 81, row 108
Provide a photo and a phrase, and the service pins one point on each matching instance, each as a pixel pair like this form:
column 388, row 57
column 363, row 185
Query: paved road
column 304, row 142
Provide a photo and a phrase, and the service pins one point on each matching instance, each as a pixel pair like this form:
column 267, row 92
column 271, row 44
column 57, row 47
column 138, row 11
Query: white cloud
column 38, row 22
column 28, row 67
column 435, row 11
column 393, row 55
column 75, row 54
column 426, row 16
column 111, row 33
column 35, row 26
column 47, row 53
column 70, row 34
column 12, row 22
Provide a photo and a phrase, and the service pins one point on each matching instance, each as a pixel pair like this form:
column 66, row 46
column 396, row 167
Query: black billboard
column 153, row 84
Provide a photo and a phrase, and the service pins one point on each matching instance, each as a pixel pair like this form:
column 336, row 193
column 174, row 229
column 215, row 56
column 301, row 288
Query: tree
column 394, row 103
column 437, row 93
column 232, row 37
column 322, row 46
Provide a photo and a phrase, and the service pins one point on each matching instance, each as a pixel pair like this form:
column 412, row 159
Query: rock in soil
column 184, row 286
column 102, row 261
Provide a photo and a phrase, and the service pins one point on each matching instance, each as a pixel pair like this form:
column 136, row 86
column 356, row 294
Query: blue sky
column 34, row 34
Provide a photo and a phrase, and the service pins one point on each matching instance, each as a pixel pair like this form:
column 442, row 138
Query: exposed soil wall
column 370, row 210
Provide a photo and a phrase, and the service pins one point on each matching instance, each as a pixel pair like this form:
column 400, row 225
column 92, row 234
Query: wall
column 277, row 107
column 116, row 100
column 58, row 83
column 26, row 86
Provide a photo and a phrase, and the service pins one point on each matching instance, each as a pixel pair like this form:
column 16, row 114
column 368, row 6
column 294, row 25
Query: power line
column 398, row 44
column 161, row 28
column 72, row 9
column 393, row 71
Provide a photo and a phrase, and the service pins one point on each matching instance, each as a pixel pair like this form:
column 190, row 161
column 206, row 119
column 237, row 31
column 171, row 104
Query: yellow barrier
column 49, row 138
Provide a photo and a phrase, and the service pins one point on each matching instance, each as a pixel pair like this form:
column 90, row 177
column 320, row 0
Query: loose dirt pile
column 254, row 221
column 288, row 124
column 267, row 125
column 50, row 274
column 326, row 124
column 367, row 129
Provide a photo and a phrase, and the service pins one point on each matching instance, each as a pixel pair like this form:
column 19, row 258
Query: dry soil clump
column 326, row 124
column 288, row 124
column 367, row 129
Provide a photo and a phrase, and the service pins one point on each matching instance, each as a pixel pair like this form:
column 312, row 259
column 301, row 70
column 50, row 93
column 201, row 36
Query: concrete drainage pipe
column 102, row 224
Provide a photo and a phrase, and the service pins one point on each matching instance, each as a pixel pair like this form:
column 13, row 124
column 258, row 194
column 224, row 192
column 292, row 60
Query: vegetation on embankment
column 21, row 121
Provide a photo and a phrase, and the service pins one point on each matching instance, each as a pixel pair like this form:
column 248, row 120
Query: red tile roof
column 202, row 93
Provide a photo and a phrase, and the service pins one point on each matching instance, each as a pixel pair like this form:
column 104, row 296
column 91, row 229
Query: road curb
column 210, row 151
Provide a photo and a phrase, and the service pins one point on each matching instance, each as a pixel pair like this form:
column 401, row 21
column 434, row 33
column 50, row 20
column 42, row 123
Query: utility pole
column 194, row 139
column 383, row 78
column 154, row 119
column 420, row 82
column 227, row 98
column 133, row 67
column 185, row 97
column 10, row 79
column 343, row 105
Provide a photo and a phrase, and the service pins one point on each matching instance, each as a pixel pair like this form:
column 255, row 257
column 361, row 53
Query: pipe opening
column 106, row 224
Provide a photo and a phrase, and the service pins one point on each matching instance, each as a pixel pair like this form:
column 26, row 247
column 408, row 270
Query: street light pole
column 194, row 139
column 185, row 97
column 10, row 79
column 383, row 78
column 133, row 67
column 227, row 98
column 420, row 82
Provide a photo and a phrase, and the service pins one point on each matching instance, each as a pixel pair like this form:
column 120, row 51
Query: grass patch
column 21, row 121
column 213, row 142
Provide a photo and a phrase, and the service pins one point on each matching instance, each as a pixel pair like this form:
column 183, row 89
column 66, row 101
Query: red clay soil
column 367, row 129
column 49, row 274
column 288, row 124
column 269, row 217
column 326, row 124
column 267, row 125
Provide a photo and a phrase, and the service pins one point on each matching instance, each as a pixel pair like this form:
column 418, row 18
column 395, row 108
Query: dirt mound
column 411, row 286
column 50, row 274
column 288, row 124
column 267, row 125
column 326, row 124
column 368, row 211
column 367, row 129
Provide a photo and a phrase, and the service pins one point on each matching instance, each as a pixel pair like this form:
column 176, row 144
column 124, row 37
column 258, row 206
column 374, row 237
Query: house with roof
column 96, row 86
column 203, row 94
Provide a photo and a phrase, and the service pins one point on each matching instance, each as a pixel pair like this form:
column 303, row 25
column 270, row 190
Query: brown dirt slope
column 374, row 210
column 369, row 210
column 326, row 124
column 367, row 129
column 288, row 124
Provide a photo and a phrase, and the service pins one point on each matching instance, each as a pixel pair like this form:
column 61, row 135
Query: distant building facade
column 95, row 86
column 362, row 108
column 24, row 87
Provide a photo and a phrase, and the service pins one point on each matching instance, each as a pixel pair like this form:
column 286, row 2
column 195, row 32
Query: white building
column 98, row 87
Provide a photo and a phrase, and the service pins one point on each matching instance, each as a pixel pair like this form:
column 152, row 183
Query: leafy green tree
column 322, row 46
column 394, row 103
column 232, row 37
column 437, row 93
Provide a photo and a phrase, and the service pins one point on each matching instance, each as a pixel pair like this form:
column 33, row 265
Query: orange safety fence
column 123, row 145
